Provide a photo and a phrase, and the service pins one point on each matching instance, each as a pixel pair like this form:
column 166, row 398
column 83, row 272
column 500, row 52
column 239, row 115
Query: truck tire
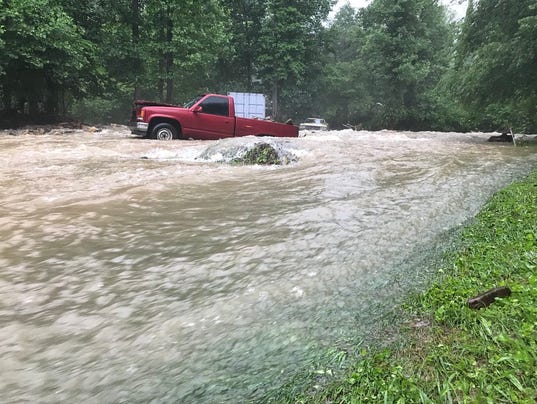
column 164, row 131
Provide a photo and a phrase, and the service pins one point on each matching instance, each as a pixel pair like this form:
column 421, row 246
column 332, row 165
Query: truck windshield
column 192, row 102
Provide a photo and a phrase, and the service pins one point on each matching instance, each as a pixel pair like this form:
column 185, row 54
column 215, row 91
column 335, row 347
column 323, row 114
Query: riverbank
column 449, row 352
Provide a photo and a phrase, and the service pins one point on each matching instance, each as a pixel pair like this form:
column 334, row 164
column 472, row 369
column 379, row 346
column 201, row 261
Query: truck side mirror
column 198, row 109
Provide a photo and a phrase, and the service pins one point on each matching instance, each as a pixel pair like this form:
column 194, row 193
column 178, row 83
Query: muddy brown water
column 132, row 270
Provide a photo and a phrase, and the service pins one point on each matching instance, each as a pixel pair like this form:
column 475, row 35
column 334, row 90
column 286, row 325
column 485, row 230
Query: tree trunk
column 161, row 59
column 169, row 59
column 275, row 111
column 62, row 105
column 135, row 44
column 51, row 100
column 33, row 107
column 7, row 101
column 161, row 77
column 137, row 92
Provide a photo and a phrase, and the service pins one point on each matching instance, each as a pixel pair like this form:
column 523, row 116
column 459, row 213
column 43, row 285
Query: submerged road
column 133, row 270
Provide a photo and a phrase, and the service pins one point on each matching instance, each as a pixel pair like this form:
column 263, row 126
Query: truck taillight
column 141, row 115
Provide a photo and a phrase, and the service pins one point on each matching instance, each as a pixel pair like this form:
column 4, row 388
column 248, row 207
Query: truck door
column 213, row 121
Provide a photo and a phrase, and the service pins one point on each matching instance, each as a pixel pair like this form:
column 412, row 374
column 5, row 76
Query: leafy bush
column 262, row 154
column 99, row 110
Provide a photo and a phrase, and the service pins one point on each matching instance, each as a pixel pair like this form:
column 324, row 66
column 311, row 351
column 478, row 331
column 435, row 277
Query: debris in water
column 261, row 153
column 504, row 137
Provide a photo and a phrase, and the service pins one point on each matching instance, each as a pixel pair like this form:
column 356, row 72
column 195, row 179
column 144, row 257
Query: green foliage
column 387, row 62
column 56, row 51
column 2, row 43
column 236, row 65
column 345, row 78
column 391, row 64
column 183, row 40
column 109, row 107
column 288, row 43
column 262, row 154
column 287, row 33
column 407, row 47
column 44, row 53
column 496, row 70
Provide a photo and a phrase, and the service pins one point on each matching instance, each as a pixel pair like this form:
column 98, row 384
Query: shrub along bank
column 450, row 352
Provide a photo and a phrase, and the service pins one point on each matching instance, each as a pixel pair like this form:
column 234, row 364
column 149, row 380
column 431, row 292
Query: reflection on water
column 168, row 278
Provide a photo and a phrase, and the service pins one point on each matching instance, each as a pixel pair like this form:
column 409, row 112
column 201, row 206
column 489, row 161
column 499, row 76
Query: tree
column 3, row 60
column 288, row 42
column 346, row 95
column 237, row 66
column 115, row 29
column 406, row 51
column 497, row 63
column 185, row 39
column 44, row 55
column 120, row 44
column 149, row 48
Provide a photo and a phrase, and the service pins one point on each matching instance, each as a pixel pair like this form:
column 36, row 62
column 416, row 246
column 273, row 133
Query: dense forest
column 399, row 64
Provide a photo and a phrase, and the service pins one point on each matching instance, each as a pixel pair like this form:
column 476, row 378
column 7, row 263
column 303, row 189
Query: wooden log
column 504, row 137
column 487, row 298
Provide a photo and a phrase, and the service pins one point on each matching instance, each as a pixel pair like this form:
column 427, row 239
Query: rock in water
column 261, row 153
column 249, row 151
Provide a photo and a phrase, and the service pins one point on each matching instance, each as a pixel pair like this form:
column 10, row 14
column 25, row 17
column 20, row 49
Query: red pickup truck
column 211, row 116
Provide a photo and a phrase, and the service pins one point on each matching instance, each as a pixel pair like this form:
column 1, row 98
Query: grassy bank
column 449, row 352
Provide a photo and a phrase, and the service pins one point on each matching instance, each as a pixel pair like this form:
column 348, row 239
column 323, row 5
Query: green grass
column 462, row 355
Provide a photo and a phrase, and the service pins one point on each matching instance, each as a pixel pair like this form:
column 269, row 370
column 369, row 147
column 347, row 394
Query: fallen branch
column 353, row 127
column 487, row 298
column 504, row 137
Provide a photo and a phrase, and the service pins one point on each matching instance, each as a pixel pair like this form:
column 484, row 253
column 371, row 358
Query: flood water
column 132, row 270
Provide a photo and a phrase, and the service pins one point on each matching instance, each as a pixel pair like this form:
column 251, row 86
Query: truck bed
column 261, row 127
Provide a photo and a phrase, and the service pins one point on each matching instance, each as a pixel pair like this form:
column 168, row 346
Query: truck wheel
column 164, row 131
